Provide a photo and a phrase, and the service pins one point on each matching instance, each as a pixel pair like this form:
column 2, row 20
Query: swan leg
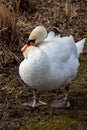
column 63, row 103
column 36, row 102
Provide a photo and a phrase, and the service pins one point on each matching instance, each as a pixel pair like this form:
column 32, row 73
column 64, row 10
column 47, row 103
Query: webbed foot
column 34, row 103
column 63, row 103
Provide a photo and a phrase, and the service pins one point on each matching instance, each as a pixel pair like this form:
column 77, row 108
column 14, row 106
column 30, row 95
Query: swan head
column 36, row 37
column 38, row 34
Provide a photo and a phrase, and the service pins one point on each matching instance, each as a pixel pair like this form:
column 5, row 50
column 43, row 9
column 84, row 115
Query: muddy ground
column 65, row 18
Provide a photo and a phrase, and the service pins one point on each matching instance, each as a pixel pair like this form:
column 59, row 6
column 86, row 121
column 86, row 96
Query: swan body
column 35, row 70
column 52, row 62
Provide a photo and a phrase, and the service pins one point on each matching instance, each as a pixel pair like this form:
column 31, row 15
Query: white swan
column 50, row 62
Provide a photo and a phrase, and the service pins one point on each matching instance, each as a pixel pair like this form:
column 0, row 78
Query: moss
column 53, row 124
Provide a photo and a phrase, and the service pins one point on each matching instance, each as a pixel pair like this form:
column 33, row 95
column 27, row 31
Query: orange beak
column 26, row 45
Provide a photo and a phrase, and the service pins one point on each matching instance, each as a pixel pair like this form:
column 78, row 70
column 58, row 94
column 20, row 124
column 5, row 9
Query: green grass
column 53, row 124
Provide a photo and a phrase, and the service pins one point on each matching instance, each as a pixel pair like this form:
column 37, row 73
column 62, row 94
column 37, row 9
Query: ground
column 13, row 92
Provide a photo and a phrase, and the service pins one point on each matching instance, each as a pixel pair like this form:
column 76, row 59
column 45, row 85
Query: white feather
column 80, row 46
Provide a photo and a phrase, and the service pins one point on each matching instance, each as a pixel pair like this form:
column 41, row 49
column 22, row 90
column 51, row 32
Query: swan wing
column 58, row 48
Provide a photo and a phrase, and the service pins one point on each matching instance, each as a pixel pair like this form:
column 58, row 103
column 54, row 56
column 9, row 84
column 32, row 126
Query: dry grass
column 8, row 22
column 8, row 33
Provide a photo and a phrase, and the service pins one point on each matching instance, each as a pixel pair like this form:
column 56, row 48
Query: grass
column 53, row 124
column 7, row 24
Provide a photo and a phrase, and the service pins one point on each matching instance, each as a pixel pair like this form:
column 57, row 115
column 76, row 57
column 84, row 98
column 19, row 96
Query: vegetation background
column 17, row 19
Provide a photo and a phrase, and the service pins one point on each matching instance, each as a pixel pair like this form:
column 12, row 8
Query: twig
column 56, row 29
column 3, row 29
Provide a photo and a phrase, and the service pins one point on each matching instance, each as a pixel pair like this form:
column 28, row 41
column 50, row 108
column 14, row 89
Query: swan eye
column 30, row 42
